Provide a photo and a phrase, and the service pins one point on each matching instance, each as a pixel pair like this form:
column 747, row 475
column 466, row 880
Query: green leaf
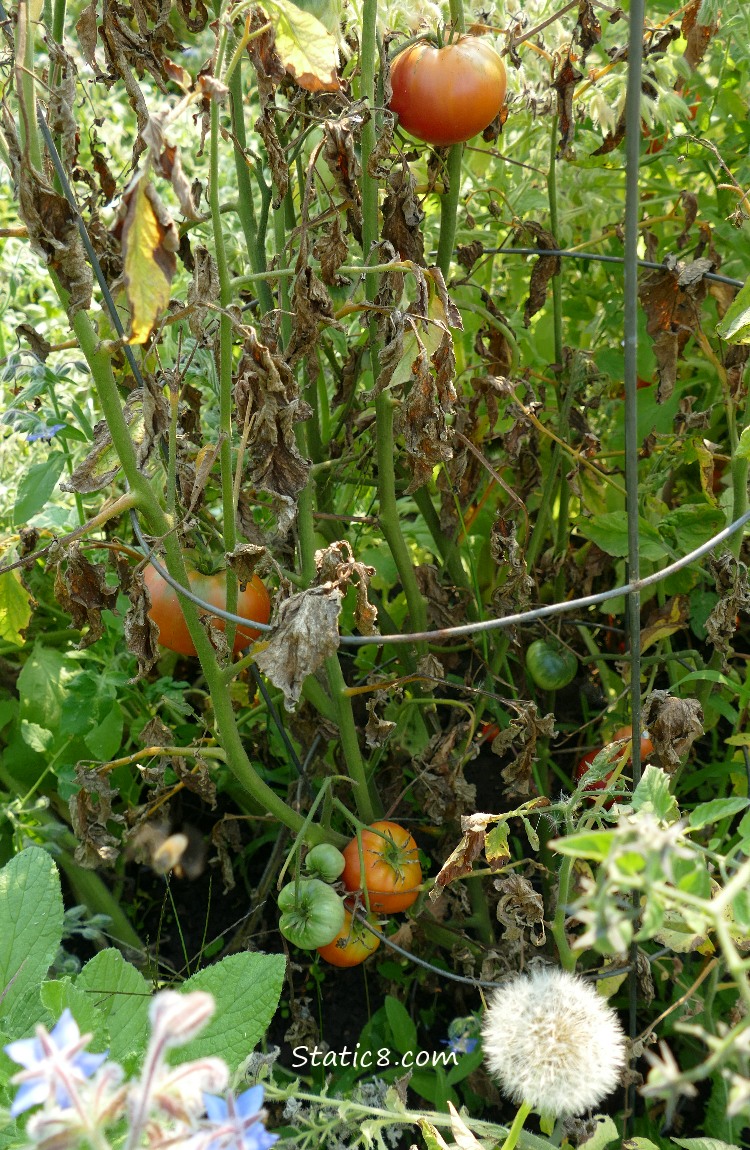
column 106, row 738
column 610, row 532
column 15, row 605
column 402, row 1028
column 121, row 997
column 704, row 1144
column 692, row 524
column 38, row 738
column 735, row 326
column 605, row 1132
column 41, row 687
column 36, row 487
column 31, row 911
column 714, row 810
column 742, row 450
column 653, row 792
column 246, row 988
column 586, row 845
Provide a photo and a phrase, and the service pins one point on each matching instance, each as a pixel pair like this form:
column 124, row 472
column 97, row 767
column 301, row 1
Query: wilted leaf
column 340, row 155
column 543, row 271
column 306, row 48
column 102, row 463
column 665, row 621
column 673, row 724
column 520, row 738
column 672, row 300
column 336, row 565
column 90, row 812
column 149, row 242
column 403, row 215
column 564, row 84
column 267, row 397
column 732, row 585
column 305, row 634
column 82, row 591
column 141, row 633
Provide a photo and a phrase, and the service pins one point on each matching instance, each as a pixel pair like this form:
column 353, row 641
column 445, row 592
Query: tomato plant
column 352, row 945
column 551, row 667
column 446, row 95
column 392, row 872
column 253, row 602
column 325, row 862
column 312, row 914
column 584, row 763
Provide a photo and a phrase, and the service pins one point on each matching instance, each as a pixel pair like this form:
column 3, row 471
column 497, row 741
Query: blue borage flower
column 45, row 433
column 53, row 1062
column 237, row 1122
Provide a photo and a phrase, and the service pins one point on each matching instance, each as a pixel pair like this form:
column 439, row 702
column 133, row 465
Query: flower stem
column 523, row 1112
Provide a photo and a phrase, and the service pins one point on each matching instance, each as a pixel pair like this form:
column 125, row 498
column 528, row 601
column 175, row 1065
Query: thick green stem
column 368, row 808
column 225, row 357
column 389, row 518
column 449, row 209
column 513, row 1134
column 245, row 209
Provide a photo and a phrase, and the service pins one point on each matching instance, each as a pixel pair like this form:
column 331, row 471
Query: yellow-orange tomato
column 252, row 603
column 352, row 945
column 446, row 95
column 392, row 872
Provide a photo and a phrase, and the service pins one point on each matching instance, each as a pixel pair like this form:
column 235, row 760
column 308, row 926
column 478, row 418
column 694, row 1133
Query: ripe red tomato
column 392, row 873
column 352, row 945
column 252, row 603
column 446, row 95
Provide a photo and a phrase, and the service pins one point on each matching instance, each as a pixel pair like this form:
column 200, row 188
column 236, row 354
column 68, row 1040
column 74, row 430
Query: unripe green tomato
column 550, row 667
column 325, row 861
column 312, row 914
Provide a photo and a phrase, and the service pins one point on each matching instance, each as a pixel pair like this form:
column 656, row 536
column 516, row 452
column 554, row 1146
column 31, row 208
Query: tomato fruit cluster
column 446, row 95
column 253, row 602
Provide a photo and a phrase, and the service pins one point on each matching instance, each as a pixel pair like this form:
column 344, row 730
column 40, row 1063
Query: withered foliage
column 672, row 300
column 673, row 724
column 732, row 585
column 82, row 591
column 520, row 739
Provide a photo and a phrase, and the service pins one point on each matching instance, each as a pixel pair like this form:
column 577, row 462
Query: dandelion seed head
column 551, row 1041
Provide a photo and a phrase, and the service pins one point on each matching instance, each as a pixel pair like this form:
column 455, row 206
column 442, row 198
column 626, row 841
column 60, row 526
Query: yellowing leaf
column 673, row 616
column 306, row 49
column 149, row 241
column 15, row 604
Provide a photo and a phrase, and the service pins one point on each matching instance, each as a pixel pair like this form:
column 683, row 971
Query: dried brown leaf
column 673, row 724
column 82, row 591
column 305, row 635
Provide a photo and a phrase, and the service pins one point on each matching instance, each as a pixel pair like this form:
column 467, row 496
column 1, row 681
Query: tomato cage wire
column 634, row 586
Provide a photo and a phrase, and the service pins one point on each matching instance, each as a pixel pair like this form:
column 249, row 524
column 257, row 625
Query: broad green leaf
column 121, row 996
column 714, row 810
column 594, row 845
column 31, row 913
column 402, row 1027
column 106, row 738
column 149, row 242
column 36, row 487
column 692, row 524
column 306, row 48
column 15, row 604
column 735, row 326
column 610, row 532
column 41, row 687
column 246, row 988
